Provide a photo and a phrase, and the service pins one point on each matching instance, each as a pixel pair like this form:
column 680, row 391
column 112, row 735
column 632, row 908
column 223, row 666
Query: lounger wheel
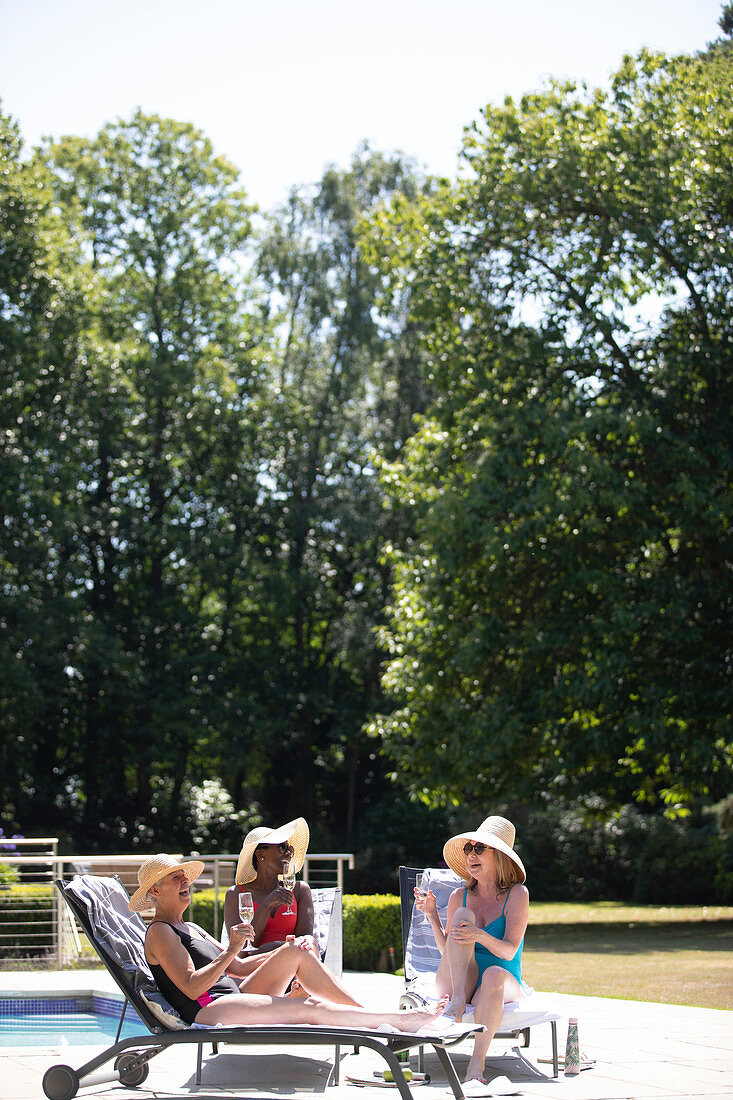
column 132, row 1072
column 60, row 1083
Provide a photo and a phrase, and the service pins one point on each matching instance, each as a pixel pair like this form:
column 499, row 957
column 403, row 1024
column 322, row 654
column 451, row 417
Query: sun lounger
column 422, row 957
column 100, row 906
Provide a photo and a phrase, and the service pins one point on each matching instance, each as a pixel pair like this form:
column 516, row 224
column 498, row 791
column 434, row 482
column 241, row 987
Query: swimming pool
column 80, row 1020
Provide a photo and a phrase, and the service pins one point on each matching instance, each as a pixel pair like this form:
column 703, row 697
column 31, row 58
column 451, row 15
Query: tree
column 213, row 548
column 342, row 389
column 161, row 472
column 563, row 617
column 46, row 293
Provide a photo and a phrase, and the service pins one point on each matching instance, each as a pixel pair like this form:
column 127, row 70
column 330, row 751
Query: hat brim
column 139, row 900
column 296, row 831
column 455, row 857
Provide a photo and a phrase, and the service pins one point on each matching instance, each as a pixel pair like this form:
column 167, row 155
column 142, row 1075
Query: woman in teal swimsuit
column 483, row 939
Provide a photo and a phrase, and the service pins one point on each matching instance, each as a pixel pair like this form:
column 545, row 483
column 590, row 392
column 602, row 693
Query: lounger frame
column 131, row 1056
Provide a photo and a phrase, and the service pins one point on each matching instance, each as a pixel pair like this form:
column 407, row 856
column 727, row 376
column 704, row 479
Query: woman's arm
column 517, row 918
column 164, row 948
column 231, row 907
column 429, row 906
column 430, row 909
column 304, row 898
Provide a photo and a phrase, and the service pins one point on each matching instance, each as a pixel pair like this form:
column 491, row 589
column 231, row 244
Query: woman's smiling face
column 271, row 857
column 481, row 865
column 174, row 884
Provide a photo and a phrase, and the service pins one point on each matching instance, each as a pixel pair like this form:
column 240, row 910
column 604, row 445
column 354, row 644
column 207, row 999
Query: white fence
column 35, row 923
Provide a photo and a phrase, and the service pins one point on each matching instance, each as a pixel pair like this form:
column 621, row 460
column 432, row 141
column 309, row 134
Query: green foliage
column 193, row 512
column 561, row 619
column 576, row 853
column 371, row 926
column 26, row 920
column 201, row 911
column 197, row 405
column 215, row 825
column 396, row 831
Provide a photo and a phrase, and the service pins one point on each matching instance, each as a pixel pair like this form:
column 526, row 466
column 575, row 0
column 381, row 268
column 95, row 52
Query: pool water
column 68, row 1021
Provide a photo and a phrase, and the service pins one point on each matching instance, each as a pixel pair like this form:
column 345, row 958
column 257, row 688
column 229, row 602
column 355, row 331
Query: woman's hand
column 276, row 897
column 465, row 932
column 426, row 903
column 307, row 943
column 239, row 934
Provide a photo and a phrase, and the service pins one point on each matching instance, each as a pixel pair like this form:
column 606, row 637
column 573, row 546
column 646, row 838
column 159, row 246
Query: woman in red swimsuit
column 279, row 913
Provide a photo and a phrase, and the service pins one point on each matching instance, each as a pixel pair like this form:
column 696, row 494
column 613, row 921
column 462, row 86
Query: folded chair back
column 118, row 936
column 419, row 948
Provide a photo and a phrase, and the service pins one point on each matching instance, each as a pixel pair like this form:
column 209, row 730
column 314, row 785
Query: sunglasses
column 282, row 847
column 477, row 847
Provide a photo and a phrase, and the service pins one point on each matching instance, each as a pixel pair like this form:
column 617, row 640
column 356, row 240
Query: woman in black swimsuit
column 208, row 984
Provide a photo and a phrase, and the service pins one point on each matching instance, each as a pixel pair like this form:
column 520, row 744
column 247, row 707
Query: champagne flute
column 246, row 910
column 287, row 878
column 420, row 882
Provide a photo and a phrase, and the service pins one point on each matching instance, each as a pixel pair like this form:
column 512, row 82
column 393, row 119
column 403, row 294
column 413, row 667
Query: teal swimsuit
column 486, row 958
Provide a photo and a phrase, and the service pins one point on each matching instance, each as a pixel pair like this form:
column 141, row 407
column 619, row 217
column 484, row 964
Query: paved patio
column 641, row 1050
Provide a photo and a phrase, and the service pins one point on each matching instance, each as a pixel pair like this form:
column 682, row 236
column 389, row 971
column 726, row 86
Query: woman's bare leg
column 274, row 975
column 497, row 986
column 460, row 966
column 248, row 1008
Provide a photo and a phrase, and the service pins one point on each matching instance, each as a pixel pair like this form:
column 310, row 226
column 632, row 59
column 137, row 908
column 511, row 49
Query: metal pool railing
column 35, row 925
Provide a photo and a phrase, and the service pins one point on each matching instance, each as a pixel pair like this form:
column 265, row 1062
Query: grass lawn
column 674, row 954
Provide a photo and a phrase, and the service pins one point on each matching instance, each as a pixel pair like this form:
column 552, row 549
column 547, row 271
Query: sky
column 284, row 88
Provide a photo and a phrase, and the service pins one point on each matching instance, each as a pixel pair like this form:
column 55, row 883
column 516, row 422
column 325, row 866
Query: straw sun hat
column 495, row 832
column 296, row 832
column 153, row 870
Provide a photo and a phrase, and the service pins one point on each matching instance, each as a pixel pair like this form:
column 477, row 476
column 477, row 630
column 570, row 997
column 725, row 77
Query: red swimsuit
column 279, row 924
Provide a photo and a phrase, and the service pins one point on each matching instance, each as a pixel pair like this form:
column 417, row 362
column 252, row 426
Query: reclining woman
column 207, row 984
column 279, row 913
column 481, row 945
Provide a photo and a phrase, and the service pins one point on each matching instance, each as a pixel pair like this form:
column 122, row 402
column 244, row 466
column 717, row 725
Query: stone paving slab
column 642, row 1051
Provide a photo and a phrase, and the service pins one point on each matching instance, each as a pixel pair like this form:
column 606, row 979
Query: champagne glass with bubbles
column 246, row 910
column 287, row 878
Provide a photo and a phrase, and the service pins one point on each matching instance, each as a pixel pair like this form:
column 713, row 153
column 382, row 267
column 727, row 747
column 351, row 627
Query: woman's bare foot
column 456, row 1008
column 414, row 1019
column 296, row 990
column 474, row 1072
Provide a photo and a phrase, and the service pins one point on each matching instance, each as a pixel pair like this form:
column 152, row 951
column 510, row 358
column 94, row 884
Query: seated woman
column 207, row 984
column 482, row 943
column 279, row 913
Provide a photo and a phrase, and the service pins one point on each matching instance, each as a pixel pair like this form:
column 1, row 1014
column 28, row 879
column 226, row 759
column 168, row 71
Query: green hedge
column 26, row 920
column 371, row 926
column 202, row 911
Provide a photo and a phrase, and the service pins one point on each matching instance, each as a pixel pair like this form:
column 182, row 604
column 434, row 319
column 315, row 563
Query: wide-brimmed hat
column 153, row 870
column 495, row 832
column 297, row 832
